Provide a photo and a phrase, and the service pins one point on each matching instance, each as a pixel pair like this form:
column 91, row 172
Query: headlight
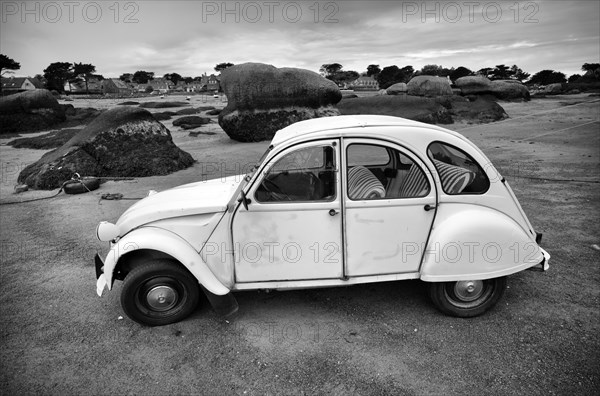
column 106, row 231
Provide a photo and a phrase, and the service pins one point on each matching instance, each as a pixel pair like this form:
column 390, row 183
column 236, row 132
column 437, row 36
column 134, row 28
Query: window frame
column 468, row 156
column 266, row 169
column 396, row 156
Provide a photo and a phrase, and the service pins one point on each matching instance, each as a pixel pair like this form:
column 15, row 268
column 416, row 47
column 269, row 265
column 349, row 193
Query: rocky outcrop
column 553, row 89
column 429, row 86
column 191, row 122
column 121, row 142
column 30, row 111
column 438, row 110
column 500, row 89
column 480, row 111
column 348, row 94
column 411, row 107
column 397, row 89
column 263, row 99
column 163, row 105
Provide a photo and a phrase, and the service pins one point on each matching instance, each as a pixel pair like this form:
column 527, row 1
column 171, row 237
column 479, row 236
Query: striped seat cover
column 454, row 178
column 362, row 184
column 415, row 184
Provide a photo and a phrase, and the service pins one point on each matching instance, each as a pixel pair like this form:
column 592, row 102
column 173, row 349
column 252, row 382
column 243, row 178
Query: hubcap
column 468, row 290
column 161, row 298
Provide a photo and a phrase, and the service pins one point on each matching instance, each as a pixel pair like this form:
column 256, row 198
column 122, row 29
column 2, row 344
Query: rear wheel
column 159, row 292
column 466, row 299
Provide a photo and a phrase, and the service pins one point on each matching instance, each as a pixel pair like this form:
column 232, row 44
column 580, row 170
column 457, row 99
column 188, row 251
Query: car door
column 389, row 200
column 292, row 228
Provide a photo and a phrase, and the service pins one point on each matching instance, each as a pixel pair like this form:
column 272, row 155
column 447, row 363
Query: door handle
column 333, row 212
column 429, row 207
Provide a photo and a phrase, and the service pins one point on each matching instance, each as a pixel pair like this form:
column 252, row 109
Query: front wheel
column 159, row 292
column 466, row 299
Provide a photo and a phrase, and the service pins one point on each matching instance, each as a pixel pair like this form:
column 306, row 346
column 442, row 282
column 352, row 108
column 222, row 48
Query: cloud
column 189, row 37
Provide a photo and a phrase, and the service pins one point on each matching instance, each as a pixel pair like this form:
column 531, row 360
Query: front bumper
column 101, row 282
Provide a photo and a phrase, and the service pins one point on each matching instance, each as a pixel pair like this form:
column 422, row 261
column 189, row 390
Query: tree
column 7, row 65
column 461, row 71
column 519, row 74
column 334, row 72
column 188, row 80
column 435, row 70
column 391, row 75
column 592, row 72
column 127, row 77
column 408, row 72
column 500, row 72
column 329, row 69
column 83, row 71
column 343, row 77
column 373, row 70
column 546, row 77
column 173, row 77
column 590, row 67
column 41, row 79
column 430, row 70
column 142, row 77
column 57, row 74
column 485, row 72
column 222, row 66
column 574, row 78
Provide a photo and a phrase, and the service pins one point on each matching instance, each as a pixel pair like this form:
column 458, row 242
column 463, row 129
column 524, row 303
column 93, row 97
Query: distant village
column 115, row 86
column 160, row 85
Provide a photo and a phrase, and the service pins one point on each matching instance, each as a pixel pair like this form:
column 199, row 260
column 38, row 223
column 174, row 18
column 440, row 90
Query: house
column 365, row 83
column 212, row 82
column 194, row 86
column 94, row 86
column 20, row 84
column 161, row 85
column 116, row 86
column 181, row 86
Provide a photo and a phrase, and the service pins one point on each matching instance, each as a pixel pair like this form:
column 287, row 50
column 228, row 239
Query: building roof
column 120, row 83
column 365, row 79
column 17, row 82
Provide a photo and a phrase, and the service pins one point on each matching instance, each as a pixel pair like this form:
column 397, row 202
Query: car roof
column 341, row 123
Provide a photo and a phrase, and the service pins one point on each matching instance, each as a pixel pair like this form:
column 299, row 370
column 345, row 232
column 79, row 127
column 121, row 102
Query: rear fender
column 477, row 242
column 158, row 239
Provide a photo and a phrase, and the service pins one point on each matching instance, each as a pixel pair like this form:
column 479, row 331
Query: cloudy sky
column 190, row 37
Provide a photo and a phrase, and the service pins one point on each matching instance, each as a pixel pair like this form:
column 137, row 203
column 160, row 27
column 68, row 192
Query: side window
column 459, row 172
column 377, row 172
column 306, row 174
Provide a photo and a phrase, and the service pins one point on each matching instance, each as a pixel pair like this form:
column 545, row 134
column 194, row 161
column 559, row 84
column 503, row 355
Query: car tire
column 466, row 299
column 159, row 292
column 79, row 186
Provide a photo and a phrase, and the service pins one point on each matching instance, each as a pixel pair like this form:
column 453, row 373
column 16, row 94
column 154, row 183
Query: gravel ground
column 59, row 337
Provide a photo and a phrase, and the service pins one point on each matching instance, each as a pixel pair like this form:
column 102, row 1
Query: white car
column 334, row 201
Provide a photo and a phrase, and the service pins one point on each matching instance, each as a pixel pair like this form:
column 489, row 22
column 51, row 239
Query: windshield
column 248, row 177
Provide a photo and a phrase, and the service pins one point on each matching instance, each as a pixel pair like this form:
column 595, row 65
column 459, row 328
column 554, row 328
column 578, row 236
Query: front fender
column 158, row 239
column 477, row 243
